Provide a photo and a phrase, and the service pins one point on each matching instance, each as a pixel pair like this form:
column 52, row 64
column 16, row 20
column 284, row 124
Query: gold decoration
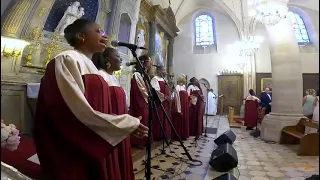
column 266, row 82
column 15, row 17
column 51, row 46
column 36, row 37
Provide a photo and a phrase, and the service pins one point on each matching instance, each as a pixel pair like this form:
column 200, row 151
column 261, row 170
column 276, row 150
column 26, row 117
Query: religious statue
column 140, row 41
column 73, row 12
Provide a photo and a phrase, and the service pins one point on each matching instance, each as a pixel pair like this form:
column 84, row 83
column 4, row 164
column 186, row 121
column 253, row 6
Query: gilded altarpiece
column 162, row 31
column 34, row 22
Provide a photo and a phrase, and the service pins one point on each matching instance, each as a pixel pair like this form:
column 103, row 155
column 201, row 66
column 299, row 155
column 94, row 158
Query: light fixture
column 270, row 12
column 11, row 47
column 249, row 46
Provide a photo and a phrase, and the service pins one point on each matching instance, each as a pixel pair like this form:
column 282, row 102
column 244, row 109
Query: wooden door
column 231, row 86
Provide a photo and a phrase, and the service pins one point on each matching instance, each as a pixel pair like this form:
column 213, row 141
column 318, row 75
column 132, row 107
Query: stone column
column 170, row 55
column 286, row 78
column 152, row 41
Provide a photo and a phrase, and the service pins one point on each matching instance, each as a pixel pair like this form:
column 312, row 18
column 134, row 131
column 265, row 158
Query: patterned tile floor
column 257, row 160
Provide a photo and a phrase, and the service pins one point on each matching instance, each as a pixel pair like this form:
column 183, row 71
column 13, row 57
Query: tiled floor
column 257, row 160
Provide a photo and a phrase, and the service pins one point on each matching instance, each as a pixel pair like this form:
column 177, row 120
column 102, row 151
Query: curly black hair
column 100, row 59
column 78, row 26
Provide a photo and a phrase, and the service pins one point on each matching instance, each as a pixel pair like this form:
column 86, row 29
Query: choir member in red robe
column 75, row 134
column 107, row 63
column 163, row 91
column 180, row 110
column 196, row 108
column 251, row 110
column 139, row 98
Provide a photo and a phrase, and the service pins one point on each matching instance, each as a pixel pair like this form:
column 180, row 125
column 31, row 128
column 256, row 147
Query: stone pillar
column 170, row 55
column 152, row 41
column 253, row 73
column 286, row 78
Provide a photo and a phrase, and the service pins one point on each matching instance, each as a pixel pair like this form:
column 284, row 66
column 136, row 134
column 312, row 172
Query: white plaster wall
column 309, row 54
column 206, row 65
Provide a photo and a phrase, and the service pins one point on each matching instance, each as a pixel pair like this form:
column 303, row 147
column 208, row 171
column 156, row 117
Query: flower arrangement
column 10, row 138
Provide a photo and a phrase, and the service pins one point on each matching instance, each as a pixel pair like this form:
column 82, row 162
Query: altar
column 30, row 39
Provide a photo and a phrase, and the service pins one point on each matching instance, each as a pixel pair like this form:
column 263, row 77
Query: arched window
column 299, row 28
column 204, row 31
column 124, row 31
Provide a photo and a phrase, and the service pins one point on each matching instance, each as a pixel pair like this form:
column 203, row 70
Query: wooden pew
column 309, row 143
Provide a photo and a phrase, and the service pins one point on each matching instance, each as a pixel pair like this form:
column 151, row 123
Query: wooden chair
column 261, row 112
column 309, row 143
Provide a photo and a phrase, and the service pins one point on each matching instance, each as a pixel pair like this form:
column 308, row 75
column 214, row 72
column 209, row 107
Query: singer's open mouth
column 104, row 41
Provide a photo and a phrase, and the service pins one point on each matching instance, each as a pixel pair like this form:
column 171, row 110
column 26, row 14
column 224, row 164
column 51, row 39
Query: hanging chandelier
column 248, row 47
column 270, row 12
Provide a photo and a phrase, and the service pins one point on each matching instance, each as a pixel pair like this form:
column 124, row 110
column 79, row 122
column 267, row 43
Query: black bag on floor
column 313, row 177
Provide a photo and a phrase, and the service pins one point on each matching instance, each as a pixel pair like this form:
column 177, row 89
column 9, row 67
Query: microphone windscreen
column 114, row 43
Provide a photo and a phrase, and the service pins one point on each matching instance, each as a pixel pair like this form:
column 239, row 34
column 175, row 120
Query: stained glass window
column 299, row 28
column 204, row 30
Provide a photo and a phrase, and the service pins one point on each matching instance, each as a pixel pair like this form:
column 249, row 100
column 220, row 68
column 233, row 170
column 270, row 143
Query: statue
column 73, row 12
column 140, row 41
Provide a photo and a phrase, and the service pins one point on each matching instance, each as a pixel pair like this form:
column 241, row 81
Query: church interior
column 241, row 51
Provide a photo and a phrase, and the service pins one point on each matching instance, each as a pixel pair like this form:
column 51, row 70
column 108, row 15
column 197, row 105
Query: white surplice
column 211, row 106
column 194, row 99
column 155, row 84
column 70, row 66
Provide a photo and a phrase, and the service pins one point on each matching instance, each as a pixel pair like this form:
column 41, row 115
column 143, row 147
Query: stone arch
column 313, row 35
column 124, row 30
column 231, row 14
column 195, row 13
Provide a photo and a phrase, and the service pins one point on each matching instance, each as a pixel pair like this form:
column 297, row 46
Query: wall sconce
column 11, row 47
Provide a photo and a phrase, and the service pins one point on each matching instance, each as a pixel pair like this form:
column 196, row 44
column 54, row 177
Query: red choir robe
column 251, row 113
column 159, row 85
column 139, row 105
column 180, row 113
column 119, row 107
column 195, row 111
column 75, row 135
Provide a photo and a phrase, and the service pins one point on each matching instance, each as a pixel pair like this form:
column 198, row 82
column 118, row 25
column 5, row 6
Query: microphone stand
column 152, row 99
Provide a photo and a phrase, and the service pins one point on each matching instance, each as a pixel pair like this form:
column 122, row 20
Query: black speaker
column 224, row 158
column 226, row 176
column 226, row 137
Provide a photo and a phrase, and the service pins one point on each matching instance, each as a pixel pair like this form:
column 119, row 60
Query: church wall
column 310, row 81
column 4, row 5
column 309, row 54
column 205, row 65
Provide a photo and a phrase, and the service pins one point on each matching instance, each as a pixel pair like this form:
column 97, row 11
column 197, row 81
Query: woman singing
column 180, row 117
column 196, row 108
column 163, row 91
column 75, row 134
column 107, row 63
column 139, row 98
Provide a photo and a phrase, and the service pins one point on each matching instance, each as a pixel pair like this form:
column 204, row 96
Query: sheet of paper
column 34, row 159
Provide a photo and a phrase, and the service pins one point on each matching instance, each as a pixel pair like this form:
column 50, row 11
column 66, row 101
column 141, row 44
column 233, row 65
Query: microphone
column 130, row 46
column 130, row 63
column 157, row 66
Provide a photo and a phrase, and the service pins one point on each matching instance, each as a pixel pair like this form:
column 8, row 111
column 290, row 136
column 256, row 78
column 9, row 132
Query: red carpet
column 18, row 158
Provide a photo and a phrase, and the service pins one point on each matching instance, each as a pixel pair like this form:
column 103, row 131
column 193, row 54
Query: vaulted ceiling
column 183, row 7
